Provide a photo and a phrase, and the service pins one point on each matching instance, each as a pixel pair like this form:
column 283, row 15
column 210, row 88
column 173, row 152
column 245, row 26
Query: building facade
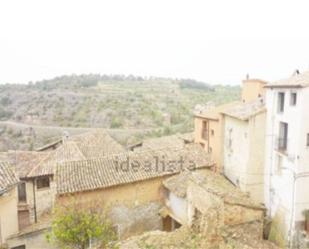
column 209, row 124
column 287, row 158
column 244, row 147
column 208, row 132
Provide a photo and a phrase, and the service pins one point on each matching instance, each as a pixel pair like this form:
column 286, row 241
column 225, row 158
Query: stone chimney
column 65, row 136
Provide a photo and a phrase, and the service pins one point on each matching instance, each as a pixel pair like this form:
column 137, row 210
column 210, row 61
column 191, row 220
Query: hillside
column 149, row 106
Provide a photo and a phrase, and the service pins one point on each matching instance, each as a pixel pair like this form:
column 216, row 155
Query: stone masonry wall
column 136, row 220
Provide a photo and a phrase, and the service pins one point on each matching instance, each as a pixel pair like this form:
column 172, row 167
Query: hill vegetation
column 154, row 106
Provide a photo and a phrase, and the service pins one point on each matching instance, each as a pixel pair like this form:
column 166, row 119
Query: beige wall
column 214, row 144
column 252, row 89
column 133, row 194
column 256, row 163
column 8, row 214
column 244, row 156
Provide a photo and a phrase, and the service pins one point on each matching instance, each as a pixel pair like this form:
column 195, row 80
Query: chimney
column 296, row 72
column 65, row 136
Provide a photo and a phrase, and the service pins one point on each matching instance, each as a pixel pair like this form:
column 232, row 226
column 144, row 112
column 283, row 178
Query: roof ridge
column 126, row 153
column 39, row 164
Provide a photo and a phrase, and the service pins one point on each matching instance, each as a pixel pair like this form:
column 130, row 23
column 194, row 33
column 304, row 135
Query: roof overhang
column 205, row 117
column 283, row 86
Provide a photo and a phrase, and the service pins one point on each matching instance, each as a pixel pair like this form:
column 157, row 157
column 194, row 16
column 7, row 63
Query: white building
column 287, row 154
column 244, row 147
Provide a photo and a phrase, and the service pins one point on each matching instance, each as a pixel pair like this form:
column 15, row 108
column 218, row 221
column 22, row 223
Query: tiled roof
column 105, row 172
column 296, row 80
column 93, row 144
column 7, row 176
column 25, row 161
column 177, row 140
column 96, row 143
column 68, row 151
column 211, row 182
column 214, row 112
column 244, row 111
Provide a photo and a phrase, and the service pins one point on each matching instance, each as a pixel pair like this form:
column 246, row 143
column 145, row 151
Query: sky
column 217, row 42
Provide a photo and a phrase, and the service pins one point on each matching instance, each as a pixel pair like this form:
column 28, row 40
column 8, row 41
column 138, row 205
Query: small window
column 212, row 132
column 205, row 130
column 22, row 193
column 293, row 100
column 42, row 182
column 281, row 96
column 308, row 140
column 283, row 136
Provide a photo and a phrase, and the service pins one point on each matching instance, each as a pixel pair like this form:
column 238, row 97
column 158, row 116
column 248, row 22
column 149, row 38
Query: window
column 22, row 197
column 308, row 140
column 212, row 132
column 293, row 99
column 205, row 130
column 210, row 150
column 283, row 136
column 42, row 182
column 281, row 102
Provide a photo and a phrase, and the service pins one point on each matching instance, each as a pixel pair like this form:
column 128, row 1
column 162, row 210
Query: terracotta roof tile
column 244, row 111
column 25, row 161
column 89, row 145
column 211, row 182
column 7, row 176
column 214, row 112
column 177, row 140
column 296, row 80
column 97, row 143
column 122, row 168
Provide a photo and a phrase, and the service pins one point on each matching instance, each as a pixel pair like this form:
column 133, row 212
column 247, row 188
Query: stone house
column 213, row 214
column 209, row 125
column 202, row 192
column 36, row 171
column 8, row 202
column 128, row 182
column 287, row 157
column 244, row 146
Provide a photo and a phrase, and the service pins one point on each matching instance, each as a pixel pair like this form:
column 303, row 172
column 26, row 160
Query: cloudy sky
column 213, row 41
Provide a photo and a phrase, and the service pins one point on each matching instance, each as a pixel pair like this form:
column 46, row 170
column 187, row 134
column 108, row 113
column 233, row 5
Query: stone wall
column 136, row 220
column 45, row 199
column 236, row 214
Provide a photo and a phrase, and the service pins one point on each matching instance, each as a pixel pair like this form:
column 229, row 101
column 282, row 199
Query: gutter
column 34, row 201
column 283, row 86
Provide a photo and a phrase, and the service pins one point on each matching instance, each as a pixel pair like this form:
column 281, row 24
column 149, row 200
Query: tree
column 76, row 225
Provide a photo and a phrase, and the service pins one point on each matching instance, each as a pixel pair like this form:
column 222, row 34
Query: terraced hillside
column 149, row 106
